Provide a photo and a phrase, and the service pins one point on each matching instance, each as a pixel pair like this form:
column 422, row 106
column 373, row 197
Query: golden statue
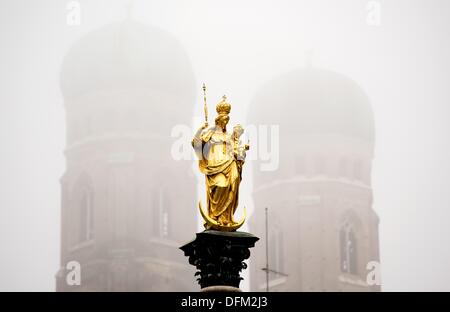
column 221, row 157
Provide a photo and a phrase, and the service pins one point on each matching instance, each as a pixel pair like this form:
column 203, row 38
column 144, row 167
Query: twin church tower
column 127, row 205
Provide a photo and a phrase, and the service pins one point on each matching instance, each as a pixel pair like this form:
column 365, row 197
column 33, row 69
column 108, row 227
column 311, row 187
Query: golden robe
column 222, row 175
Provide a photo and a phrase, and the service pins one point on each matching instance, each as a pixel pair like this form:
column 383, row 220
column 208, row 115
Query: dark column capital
column 219, row 256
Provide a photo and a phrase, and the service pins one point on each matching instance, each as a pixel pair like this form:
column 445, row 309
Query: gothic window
column 349, row 249
column 161, row 213
column 85, row 215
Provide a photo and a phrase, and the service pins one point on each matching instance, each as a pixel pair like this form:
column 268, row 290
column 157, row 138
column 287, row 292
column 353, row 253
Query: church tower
column 126, row 203
column 322, row 228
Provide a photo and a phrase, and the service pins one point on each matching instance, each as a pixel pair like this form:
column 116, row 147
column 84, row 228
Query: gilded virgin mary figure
column 221, row 157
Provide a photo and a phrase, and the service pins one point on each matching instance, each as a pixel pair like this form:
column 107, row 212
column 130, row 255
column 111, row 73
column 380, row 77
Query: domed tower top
column 315, row 101
column 325, row 121
column 138, row 77
column 322, row 230
column 124, row 54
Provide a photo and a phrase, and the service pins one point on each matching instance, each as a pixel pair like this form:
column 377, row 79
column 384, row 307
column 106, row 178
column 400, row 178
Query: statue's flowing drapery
column 217, row 162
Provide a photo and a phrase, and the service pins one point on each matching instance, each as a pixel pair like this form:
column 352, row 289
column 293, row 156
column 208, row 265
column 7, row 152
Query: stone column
column 219, row 258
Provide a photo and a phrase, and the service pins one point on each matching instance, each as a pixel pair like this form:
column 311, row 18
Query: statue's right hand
column 205, row 125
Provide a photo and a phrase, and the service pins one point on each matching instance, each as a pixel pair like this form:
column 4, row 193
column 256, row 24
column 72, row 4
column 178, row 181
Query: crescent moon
column 212, row 224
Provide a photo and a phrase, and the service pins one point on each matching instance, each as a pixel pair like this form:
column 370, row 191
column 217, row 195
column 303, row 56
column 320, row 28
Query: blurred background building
column 127, row 204
column 125, row 86
column 322, row 228
column 401, row 61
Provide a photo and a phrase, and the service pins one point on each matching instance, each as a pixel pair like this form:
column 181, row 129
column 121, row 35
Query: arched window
column 81, row 213
column 85, row 215
column 349, row 249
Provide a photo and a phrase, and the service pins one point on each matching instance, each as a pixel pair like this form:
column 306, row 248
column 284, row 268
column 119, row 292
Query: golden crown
column 223, row 107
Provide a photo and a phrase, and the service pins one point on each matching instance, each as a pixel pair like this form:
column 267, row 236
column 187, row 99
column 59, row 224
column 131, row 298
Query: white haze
column 403, row 65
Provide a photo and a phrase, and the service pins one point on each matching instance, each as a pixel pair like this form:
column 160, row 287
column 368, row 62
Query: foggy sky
column 235, row 46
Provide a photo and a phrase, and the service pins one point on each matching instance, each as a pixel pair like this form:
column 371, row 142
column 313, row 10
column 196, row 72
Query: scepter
column 205, row 108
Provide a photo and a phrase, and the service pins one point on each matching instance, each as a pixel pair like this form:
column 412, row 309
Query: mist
column 236, row 48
